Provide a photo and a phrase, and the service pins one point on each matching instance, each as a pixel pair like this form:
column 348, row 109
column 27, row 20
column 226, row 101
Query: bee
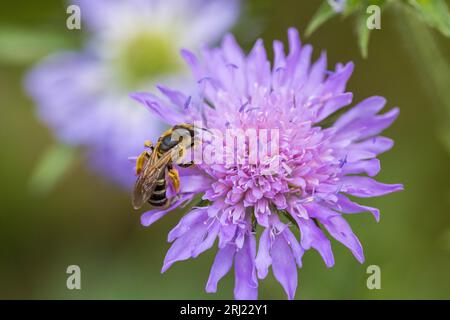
column 151, row 165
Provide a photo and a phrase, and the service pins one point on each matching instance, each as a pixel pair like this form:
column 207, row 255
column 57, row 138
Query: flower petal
column 294, row 41
column 208, row 241
column 151, row 216
column 366, row 108
column 337, row 82
column 226, row 234
column 176, row 97
column 283, row 266
column 246, row 285
column 338, row 228
column 296, row 248
column 333, row 104
column 369, row 127
column 374, row 145
column 193, row 63
column 156, row 106
column 342, row 232
column 194, row 183
column 232, row 51
column 345, row 205
column 184, row 246
column 186, row 223
column 374, row 126
column 263, row 259
column 365, row 187
column 312, row 236
column 316, row 75
column 221, row 266
column 370, row 167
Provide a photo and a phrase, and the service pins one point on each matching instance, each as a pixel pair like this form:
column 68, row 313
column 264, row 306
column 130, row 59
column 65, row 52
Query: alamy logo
column 232, row 147
column 374, row 280
column 74, row 280
column 73, row 21
column 374, row 20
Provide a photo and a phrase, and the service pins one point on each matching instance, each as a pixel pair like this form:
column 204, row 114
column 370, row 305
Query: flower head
column 83, row 96
column 318, row 165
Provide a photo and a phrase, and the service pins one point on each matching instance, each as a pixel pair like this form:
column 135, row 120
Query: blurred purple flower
column 320, row 166
column 337, row 5
column 134, row 44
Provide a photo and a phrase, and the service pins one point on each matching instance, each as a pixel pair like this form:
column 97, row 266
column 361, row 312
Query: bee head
column 178, row 134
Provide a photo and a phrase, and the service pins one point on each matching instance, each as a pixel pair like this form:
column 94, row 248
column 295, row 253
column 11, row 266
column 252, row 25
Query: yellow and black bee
column 151, row 165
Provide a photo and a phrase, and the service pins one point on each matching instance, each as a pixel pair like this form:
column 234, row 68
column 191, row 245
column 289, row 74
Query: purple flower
column 337, row 5
column 83, row 96
column 319, row 166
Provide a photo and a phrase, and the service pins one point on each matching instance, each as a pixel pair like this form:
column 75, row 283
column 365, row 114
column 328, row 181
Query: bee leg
column 175, row 177
column 171, row 201
column 143, row 157
column 141, row 160
column 164, row 207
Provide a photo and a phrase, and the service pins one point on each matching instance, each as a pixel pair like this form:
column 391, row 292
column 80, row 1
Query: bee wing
column 146, row 182
column 139, row 194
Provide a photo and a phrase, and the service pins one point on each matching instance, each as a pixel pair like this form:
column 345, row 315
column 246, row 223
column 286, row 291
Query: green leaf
column 421, row 45
column 23, row 46
column 51, row 168
column 435, row 13
column 323, row 14
column 363, row 34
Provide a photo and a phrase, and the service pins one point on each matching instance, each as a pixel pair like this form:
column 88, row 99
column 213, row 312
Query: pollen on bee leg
column 174, row 176
column 140, row 162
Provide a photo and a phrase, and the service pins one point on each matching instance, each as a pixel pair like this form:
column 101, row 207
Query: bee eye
column 167, row 140
column 168, row 143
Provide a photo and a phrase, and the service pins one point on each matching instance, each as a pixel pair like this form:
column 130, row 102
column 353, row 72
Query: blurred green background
column 89, row 222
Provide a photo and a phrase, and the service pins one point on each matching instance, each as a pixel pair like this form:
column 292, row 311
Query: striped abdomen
column 158, row 198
